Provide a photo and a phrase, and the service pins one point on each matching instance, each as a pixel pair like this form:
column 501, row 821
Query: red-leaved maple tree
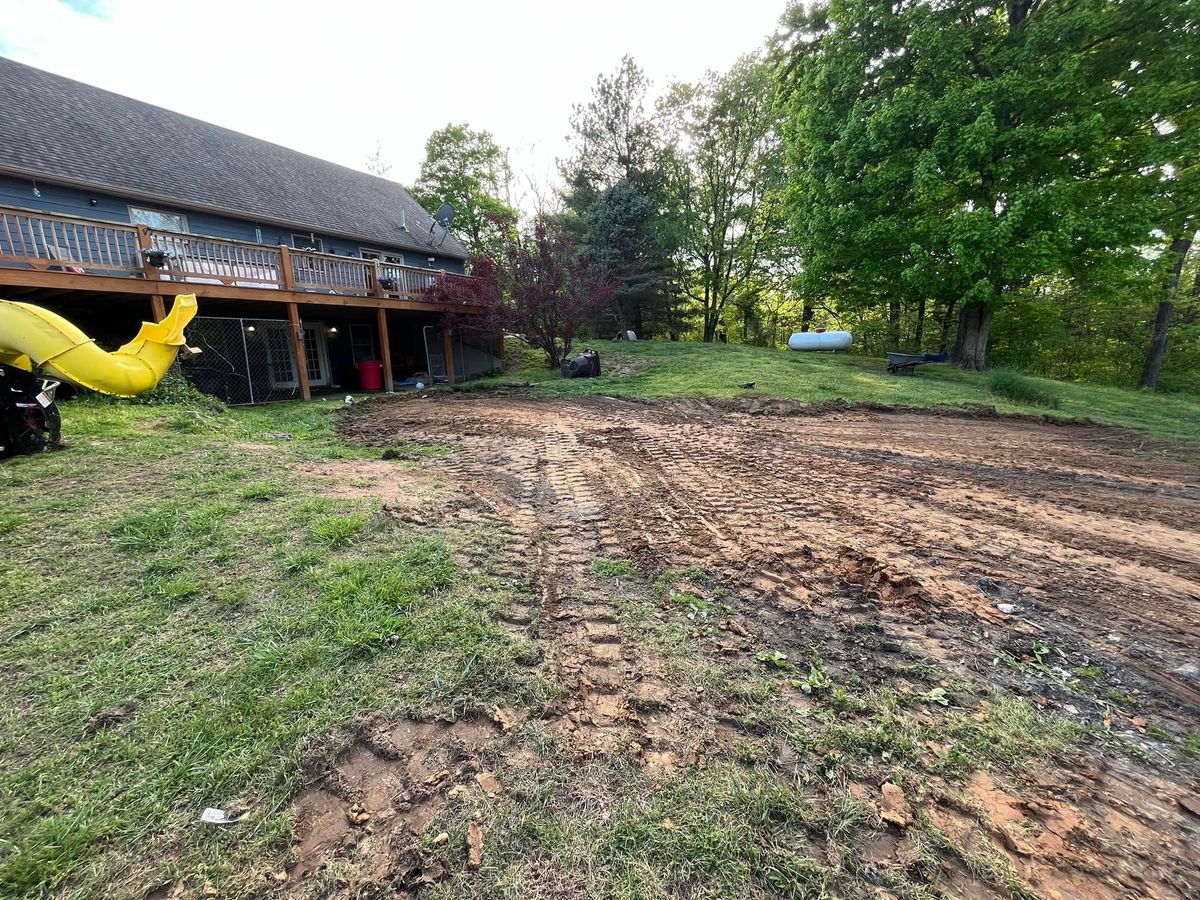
column 541, row 288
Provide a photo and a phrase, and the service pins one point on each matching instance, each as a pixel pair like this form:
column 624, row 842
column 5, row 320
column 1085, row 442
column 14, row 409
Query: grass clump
column 612, row 568
column 1011, row 733
column 1021, row 389
column 336, row 531
column 176, row 391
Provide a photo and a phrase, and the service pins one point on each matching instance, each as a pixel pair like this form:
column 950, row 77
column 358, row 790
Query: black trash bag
column 585, row 365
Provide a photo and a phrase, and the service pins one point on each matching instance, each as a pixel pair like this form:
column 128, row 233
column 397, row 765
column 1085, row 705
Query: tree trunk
column 806, row 316
column 919, row 334
column 947, row 318
column 974, row 325
column 1162, row 317
column 894, row 325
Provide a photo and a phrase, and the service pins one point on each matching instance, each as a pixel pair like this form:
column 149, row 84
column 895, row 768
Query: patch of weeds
column 335, row 531
column 303, row 561
column 170, row 526
column 10, row 522
column 817, row 682
column 173, row 589
column 695, row 574
column 737, row 832
column 695, row 609
column 1158, row 733
column 889, row 735
column 844, row 701
column 983, row 860
column 1118, row 696
column 1191, row 745
column 1021, row 389
column 1090, row 672
column 262, row 491
column 605, row 567
column 774, row 659
column 935, row 695
column 175, row 390
column 1009, row 731
column 416, row 450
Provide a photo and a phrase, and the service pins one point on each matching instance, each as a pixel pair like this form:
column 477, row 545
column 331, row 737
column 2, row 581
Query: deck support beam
column 298, row 348
column 448, row 345
column 385, row 350
column 157, row 308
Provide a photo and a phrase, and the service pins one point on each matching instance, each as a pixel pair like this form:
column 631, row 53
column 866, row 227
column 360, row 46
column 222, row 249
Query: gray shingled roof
column 53, row 127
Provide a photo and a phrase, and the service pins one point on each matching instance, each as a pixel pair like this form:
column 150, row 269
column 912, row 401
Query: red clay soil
column 968, row 540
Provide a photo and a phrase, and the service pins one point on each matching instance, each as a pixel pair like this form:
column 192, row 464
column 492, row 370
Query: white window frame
column 158, row 212
column 384, row 256
column 307, row 242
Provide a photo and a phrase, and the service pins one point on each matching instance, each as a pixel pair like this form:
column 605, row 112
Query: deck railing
column 67, row 244
column 206, row 260
column 90, row 247
column 325, row 272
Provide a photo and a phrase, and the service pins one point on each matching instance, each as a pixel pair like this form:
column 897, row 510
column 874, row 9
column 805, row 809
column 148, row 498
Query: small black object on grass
column 748, row 385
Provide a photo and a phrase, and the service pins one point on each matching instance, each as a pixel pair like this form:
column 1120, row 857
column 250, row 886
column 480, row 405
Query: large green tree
column 614, row 185
column 724, row 174
column 470, row 171
column 955, row 152
column 614, row 138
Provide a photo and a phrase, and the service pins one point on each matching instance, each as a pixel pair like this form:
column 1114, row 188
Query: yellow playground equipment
column 40, row 349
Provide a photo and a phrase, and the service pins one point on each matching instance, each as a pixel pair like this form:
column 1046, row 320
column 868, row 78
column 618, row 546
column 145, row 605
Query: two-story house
column 109, row 207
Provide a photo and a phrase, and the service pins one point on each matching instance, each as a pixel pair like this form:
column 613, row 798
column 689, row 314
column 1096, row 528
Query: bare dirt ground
column 1057, row 563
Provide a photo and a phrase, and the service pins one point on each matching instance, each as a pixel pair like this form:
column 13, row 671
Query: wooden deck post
column 376, row 278
column 385, row 349
column 158, row 308
column 298, row 349
column 285, row 267
column 449, row 355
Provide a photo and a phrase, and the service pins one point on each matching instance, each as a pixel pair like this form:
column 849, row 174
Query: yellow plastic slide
column 34, row 338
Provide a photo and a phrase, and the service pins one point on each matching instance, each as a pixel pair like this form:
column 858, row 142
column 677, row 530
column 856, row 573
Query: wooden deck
column 39, row 250
column 95, row 257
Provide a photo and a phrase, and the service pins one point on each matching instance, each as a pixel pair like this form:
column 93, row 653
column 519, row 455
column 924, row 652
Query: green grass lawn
column 664, row 369
column 189, row 618
column 184, row 620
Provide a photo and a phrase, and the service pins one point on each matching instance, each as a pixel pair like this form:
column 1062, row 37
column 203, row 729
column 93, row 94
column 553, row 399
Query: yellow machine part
column 34, row 338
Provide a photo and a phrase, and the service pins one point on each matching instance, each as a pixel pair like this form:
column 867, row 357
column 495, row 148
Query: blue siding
column 111, row 208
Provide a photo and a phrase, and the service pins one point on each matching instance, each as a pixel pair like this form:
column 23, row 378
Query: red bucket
column 370, row 374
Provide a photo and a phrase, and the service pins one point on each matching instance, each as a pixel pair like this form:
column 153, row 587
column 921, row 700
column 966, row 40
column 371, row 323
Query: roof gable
column 52, row 126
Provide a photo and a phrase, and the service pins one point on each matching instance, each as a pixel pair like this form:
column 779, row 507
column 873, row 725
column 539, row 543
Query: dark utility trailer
column 906, row 363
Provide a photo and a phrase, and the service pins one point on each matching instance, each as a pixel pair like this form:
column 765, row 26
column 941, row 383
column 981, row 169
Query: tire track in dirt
column 913, row 509
column 812, row 523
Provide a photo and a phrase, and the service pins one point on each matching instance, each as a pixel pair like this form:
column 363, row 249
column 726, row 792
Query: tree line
column 1012, row 181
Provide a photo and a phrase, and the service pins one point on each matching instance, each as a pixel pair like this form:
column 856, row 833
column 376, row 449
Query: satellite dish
column 444, row 216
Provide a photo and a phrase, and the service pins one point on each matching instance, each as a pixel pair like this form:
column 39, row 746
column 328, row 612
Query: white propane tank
column 821, row 340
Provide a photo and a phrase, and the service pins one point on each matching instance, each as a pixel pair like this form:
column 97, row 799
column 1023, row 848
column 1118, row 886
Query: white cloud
column 334, row 78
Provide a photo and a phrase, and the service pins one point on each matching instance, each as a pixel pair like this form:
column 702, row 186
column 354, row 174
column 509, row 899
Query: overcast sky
column 335, row 77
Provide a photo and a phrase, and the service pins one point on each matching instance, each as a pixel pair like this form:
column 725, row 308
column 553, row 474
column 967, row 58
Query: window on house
column 362, row 341
column 307, row 242
column 159, row 220
column 395, row 259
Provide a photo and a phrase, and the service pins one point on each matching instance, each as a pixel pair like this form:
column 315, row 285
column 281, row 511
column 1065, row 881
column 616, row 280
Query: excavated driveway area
column 1060, row 563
